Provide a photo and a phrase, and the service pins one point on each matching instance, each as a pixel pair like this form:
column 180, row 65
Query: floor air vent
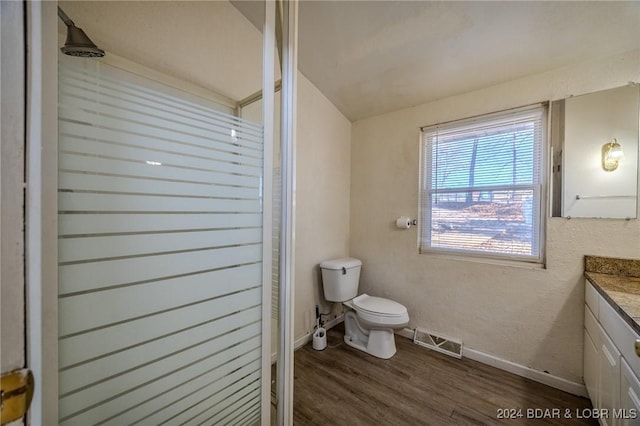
column 446, row 345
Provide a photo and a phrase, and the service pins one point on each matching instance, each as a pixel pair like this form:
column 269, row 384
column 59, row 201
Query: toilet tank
column 340, row 278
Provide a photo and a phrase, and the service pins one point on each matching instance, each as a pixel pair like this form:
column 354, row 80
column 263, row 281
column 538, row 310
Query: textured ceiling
column 367, row 57
column 372, row 57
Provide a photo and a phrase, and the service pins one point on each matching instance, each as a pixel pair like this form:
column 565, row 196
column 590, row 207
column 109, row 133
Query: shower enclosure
column 162, row 246
column 160, row 254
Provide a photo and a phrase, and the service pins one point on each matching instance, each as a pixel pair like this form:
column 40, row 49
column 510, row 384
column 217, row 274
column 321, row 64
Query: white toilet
column 368, row 321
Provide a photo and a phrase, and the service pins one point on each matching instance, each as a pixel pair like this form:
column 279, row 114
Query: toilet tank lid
column 337, row 264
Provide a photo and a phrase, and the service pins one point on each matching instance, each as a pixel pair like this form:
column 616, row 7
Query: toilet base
column 377, row 342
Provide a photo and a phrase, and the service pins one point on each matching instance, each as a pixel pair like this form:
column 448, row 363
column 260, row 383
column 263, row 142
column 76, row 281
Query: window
column 481, row 186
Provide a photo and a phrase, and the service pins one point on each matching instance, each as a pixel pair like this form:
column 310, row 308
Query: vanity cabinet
column 592, row 342
column 629, row 393
column 611, row 366
column 591, row 366
column 609, row 378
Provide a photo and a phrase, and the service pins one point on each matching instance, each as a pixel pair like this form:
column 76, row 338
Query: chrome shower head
column 77, row 43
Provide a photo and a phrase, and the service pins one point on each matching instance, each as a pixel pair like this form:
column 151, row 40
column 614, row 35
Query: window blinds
column 481, row 185
column 159, row 254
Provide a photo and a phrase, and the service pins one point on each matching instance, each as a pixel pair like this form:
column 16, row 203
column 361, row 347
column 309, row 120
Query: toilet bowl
column 369, row 321
column 369, row 324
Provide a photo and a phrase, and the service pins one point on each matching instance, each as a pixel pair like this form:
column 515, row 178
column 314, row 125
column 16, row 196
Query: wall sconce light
column 611, row 155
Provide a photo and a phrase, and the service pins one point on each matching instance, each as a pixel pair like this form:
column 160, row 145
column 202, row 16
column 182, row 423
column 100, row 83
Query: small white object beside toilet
column 368, row 321
column 320, row 339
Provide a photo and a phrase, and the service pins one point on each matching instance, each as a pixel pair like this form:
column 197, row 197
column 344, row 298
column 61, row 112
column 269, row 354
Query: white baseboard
column 406, row 332
column 520, row 370
column 297, row 344
column 332, row 323
column 301, row 341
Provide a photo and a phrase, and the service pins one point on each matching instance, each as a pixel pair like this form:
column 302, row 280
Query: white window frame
column 539, row 189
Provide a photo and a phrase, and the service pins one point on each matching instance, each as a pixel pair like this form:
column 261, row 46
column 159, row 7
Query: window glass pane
column 503, row 157
column 484, row 221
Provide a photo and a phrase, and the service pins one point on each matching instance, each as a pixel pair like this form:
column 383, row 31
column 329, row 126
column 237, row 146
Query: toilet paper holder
column 405, row 222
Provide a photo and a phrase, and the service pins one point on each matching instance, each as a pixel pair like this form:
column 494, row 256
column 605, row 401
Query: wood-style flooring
column 343, row 386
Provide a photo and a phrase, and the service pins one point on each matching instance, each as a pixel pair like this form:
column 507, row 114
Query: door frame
column 12, row 146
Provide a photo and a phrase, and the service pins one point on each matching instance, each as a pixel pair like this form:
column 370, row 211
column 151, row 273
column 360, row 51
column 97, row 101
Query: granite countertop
column 618, row 281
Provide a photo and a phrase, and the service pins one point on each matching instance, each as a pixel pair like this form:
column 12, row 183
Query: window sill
column 485, row 260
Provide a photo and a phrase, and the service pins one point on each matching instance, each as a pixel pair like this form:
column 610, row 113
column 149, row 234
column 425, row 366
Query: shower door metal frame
column 41, row 209
column 268, row 40
column 41, row 218
column 287, row 228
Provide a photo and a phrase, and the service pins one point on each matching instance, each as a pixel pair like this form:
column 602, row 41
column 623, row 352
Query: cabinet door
column 609, row 378
column 629, row 396
column 591, row 365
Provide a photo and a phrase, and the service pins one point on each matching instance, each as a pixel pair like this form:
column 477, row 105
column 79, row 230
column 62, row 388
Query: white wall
column 323, row 159
column 590, row 122
column 322, row 197
column 532, row 317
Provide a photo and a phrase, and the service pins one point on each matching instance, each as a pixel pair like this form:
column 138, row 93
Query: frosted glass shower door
column 160, row 254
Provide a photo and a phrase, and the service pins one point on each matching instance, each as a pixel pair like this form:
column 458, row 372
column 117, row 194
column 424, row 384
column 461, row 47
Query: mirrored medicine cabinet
column 594, row 150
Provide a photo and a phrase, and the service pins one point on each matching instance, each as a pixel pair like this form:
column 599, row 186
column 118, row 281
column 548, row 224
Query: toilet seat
column 380, row 311
column 378, row 305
